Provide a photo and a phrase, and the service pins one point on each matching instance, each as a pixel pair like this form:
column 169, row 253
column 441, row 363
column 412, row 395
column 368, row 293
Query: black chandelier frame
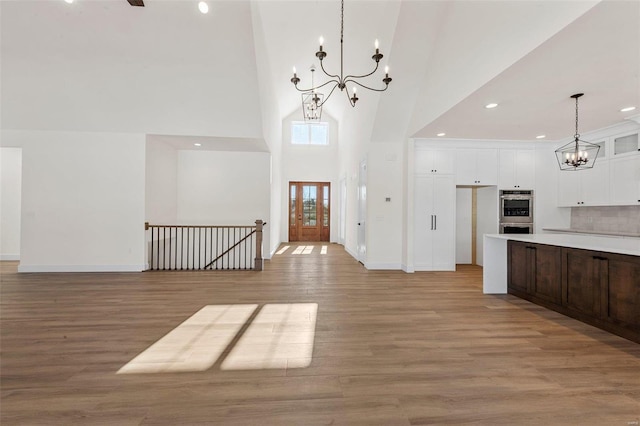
column 341, row 81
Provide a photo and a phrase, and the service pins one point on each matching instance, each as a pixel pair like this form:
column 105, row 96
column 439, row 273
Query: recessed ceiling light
column 197, row 144
column 627, row 109
column 491, row 105
column 69, row 1
column 203, row 6
column 441, row 134
column 541, row 136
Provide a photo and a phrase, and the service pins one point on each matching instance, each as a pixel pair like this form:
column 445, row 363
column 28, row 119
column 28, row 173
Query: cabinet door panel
column 444, row 192
column 508, row 168
column 625, row 180
column 423, row 222
column 466, row 173
column 595, row 184
column 569, row 192
column 547, row 273
column 518, row 266
column 486, row 166
column 525, row 169
column 443, row 160
column 581, row 272
column 623, row 291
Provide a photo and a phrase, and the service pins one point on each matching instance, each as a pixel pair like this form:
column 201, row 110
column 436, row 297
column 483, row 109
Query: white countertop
column 629, row 246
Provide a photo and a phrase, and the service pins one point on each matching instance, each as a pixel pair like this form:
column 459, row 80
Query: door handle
column 435, row 222
column 431, row 223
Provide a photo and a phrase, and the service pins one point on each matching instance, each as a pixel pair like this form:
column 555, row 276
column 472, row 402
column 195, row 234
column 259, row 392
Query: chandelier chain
column 577, row 135
column 342, row 22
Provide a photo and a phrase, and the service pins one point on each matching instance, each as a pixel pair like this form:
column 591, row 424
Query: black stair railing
column 205, row 247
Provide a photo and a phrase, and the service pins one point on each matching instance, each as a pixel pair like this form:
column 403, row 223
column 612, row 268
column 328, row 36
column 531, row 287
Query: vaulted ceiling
column 167, row 69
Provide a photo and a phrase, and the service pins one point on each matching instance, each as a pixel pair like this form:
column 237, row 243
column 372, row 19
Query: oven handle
column 511, row 197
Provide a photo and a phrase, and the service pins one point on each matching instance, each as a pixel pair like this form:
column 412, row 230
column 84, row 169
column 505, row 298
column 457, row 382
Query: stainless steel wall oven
column 516, row 211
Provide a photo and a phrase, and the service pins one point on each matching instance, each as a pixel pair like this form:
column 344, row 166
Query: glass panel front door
column 309, row 207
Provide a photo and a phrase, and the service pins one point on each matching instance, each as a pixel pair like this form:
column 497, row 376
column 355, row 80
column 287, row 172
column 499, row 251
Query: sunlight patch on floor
column 303, row 250
column 283, row 249
column 194, row 345
column 280, row 336
column 323, row 250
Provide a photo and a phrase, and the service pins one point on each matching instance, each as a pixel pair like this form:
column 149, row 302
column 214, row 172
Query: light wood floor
column 390, row 348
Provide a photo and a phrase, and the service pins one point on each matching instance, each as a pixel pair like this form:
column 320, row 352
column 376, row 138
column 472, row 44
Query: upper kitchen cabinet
column 477, row 167
column 517, row 169
column 589, row 187
column 626, row 144
column 625, row 180
column 434, row 161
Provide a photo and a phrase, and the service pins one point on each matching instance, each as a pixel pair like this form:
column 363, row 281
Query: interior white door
column 362, row 212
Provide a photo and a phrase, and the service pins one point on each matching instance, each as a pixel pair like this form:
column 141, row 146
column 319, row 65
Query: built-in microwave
column 516, row 228
column 516, row 206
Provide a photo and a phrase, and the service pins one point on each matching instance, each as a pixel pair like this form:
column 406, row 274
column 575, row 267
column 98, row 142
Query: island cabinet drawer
column 598, row 288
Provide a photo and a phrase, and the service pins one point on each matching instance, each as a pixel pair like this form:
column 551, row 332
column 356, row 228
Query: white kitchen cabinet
column 625, row 180
column 434, row 223
column 588, row 187
column 477, row 167
column 435, row 161
column 517, row 169
column 626, row 144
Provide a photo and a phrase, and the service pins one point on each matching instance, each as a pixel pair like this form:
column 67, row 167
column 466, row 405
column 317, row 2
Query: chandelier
column 341, row 81
column 312, row 101
column 578, row 154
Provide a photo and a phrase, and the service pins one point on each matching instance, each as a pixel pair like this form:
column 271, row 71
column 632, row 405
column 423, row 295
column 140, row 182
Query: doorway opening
column 309, row 211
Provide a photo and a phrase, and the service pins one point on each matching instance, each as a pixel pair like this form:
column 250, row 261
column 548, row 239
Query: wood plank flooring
column 390, row 349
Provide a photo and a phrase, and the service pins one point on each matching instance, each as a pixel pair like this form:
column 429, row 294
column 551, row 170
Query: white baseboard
column 354, row 255
column 382, row 266
column 274, row 250
column 9, row 257
column 407, row 269
column 81, row 268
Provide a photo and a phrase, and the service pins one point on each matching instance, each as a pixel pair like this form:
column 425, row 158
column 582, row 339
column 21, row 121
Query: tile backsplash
column 606, row 219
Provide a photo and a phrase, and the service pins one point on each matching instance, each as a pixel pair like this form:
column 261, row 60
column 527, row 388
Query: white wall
column 82, row 201
column 91, row 68
column 546, row 213
column 310, row 163
column 224, row 188
column 161, row 183
column 487, row 218
column 10, row 202
column 384, row 218
column 463, row 225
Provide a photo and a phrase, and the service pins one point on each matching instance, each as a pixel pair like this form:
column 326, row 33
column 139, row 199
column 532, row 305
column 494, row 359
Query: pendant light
column 578, row 154
column 312, row 101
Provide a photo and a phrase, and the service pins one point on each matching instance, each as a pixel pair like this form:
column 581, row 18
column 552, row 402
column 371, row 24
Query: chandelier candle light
column 340, row 81
column 578, row 154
